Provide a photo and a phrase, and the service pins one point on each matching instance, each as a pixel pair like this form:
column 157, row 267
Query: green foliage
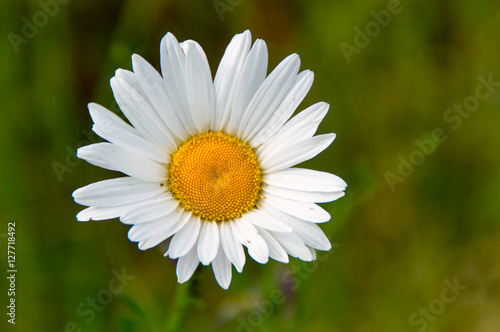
column 398, row 239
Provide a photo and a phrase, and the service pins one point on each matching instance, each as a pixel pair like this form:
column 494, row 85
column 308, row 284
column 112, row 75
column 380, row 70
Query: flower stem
column 183, row 298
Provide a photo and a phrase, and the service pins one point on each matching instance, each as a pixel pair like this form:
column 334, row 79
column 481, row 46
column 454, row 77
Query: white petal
column 294, row 97
column 297, row 153
column 199, row 86
column 166, row 227
column 276, row 251
column 227, row 76
column 101, row 114
column 97, row 213
column 150, row 209
column 139, row 112
column 117, row 192
column 222, row 269
column 152, row 242
column 113, row 129
column 232, row 247
column 299, row 128
column 173, row 65
column 252, row 75
column 116, row 158
column 146, row 231
column 248, row 236
column 269, row 96
column 306, row 211
column 103, row 213
column 294, row 245
column 261, row 219
column 133, row 143
column 132, row 80
column 169, row 225
column 313, row 253
column 208, row 243
column 186, row 265
column 153, row 85
column 184, row 239
column 310, row 233
column 303, row 196
column 305, row 180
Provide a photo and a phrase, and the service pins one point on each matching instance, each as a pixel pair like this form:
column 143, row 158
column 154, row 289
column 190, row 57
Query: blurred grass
column 395, row 249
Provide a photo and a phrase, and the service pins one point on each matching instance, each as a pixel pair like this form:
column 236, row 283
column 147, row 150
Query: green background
column 397, row 243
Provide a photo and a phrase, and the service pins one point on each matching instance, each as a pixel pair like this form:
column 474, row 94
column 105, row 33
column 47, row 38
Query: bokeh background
column 398, row 243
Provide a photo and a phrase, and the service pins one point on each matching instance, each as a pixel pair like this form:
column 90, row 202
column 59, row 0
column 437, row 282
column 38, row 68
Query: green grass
column 394, row 249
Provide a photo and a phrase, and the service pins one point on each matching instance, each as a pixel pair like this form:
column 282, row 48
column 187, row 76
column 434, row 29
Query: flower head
column 208, row 163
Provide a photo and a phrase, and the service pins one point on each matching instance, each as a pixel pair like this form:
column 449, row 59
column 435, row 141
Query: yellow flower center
column 215, row 176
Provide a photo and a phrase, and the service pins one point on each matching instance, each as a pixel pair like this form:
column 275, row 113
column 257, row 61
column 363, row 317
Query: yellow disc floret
column 215, row 176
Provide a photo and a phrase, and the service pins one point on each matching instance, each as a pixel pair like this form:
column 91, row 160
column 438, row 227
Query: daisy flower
column 208, row 163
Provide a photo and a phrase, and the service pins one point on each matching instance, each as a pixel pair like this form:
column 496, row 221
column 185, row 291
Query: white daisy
column 208, row 163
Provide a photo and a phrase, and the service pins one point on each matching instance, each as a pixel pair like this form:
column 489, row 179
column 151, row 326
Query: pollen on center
column 215, row 176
